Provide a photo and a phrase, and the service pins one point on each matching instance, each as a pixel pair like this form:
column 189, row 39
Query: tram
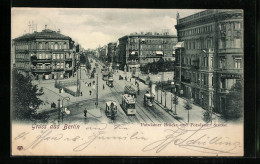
column 105, row 75
column 130, row 90
column 128, row 104
column 110, row 81
column 111, row 109
column 148, row 99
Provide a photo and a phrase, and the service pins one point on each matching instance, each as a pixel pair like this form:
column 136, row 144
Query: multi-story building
column 210, row 58
column 111, row 52
column 136, row 50
column 46, row 55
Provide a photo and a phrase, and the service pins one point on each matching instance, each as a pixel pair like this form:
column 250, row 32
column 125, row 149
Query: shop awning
column 159, row 53
column 179, row 45
column 134, row 53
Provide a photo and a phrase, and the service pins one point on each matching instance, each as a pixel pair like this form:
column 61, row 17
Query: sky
column 93, row 27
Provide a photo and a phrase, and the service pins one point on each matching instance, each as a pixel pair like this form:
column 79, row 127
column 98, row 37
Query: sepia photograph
column 127, row 82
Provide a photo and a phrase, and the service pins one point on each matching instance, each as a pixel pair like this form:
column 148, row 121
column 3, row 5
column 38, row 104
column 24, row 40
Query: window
column 237, row 25
column 65, row 46
column 54, row 56
column 58, row 56
column 223, row 83
column 58, row 65
column 40, row 46
column 205, row 61
column 56, row 46
column 61, row 65
column 52, row 46
column 237, row 43
column 61, row 56
column 40, row 56
column 238, row 62
column 222, row 63
column 211, row 62
column 212, row 81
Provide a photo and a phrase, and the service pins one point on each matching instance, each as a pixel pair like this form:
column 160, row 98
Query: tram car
column 148, row 99
column 130, row 90
column 105, row 75
column 111, row 108
column 110, row 81
column 128, row 104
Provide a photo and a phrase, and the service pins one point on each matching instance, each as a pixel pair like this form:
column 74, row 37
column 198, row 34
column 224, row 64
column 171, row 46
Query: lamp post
column 158, row 88
column 62, row 110
column 59, row 110
column 211, row 110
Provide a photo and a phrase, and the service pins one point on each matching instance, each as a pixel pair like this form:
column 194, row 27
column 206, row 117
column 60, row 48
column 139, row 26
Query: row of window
column 198, row 30
column 237, row 63
column 21, row 56
column 53, row 56
column 230, row 43
column 198, row 43
column 42, row 46
column 22, row 65
column 229, row 25
column 203, row 61
column 154, row 41
column 199, row 78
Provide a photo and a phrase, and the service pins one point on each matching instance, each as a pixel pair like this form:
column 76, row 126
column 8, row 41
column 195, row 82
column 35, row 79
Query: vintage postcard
column 127, row 82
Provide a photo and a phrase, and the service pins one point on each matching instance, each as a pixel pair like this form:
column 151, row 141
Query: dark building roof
column 148, row 36
column 44, row 34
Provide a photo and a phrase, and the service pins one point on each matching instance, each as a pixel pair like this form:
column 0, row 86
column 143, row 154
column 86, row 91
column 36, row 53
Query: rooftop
column 44, row 34
column 206, row 13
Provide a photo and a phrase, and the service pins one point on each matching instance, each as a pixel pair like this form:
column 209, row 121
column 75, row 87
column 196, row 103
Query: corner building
column 137, row 50
column 209, row 60
column 46, row 55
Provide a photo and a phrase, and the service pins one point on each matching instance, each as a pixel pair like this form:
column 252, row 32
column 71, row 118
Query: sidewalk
column 195, row 114
column 51, row 94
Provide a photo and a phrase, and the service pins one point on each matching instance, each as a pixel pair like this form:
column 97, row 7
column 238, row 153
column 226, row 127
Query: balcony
column 58, row 69
column 68, row 59
column 41, row 69
column 41, row 60
column 68, row 68
column 185, row 80
column 231, row 50
column 223, row 90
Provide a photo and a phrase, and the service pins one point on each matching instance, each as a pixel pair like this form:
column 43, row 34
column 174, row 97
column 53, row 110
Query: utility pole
column 161, row 91
column 165, row 93
column 78, row 85
column 97, row 91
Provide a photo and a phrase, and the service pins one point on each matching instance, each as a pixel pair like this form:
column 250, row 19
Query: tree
column 234, row 102
column 25, row 97
column 188, row 107
column 88, row 65
column 82, row 59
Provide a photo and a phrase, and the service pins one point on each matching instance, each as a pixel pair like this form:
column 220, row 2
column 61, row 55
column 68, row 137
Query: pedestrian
column 103, row 86
column 81, row 93
column 93, row 82
column 90, row 93
column 90, row 83
column 138, row 91
column 130, row 79
column 85, row 113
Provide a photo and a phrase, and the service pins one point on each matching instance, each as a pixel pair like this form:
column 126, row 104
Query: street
column 76, row 105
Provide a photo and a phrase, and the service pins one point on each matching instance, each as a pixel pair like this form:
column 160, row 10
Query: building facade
column 45, row 55
column 136, row 50
column 209, row 60
column 111, row 52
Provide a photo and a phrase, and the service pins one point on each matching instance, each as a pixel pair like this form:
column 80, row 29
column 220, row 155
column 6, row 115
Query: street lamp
column 62, row 110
